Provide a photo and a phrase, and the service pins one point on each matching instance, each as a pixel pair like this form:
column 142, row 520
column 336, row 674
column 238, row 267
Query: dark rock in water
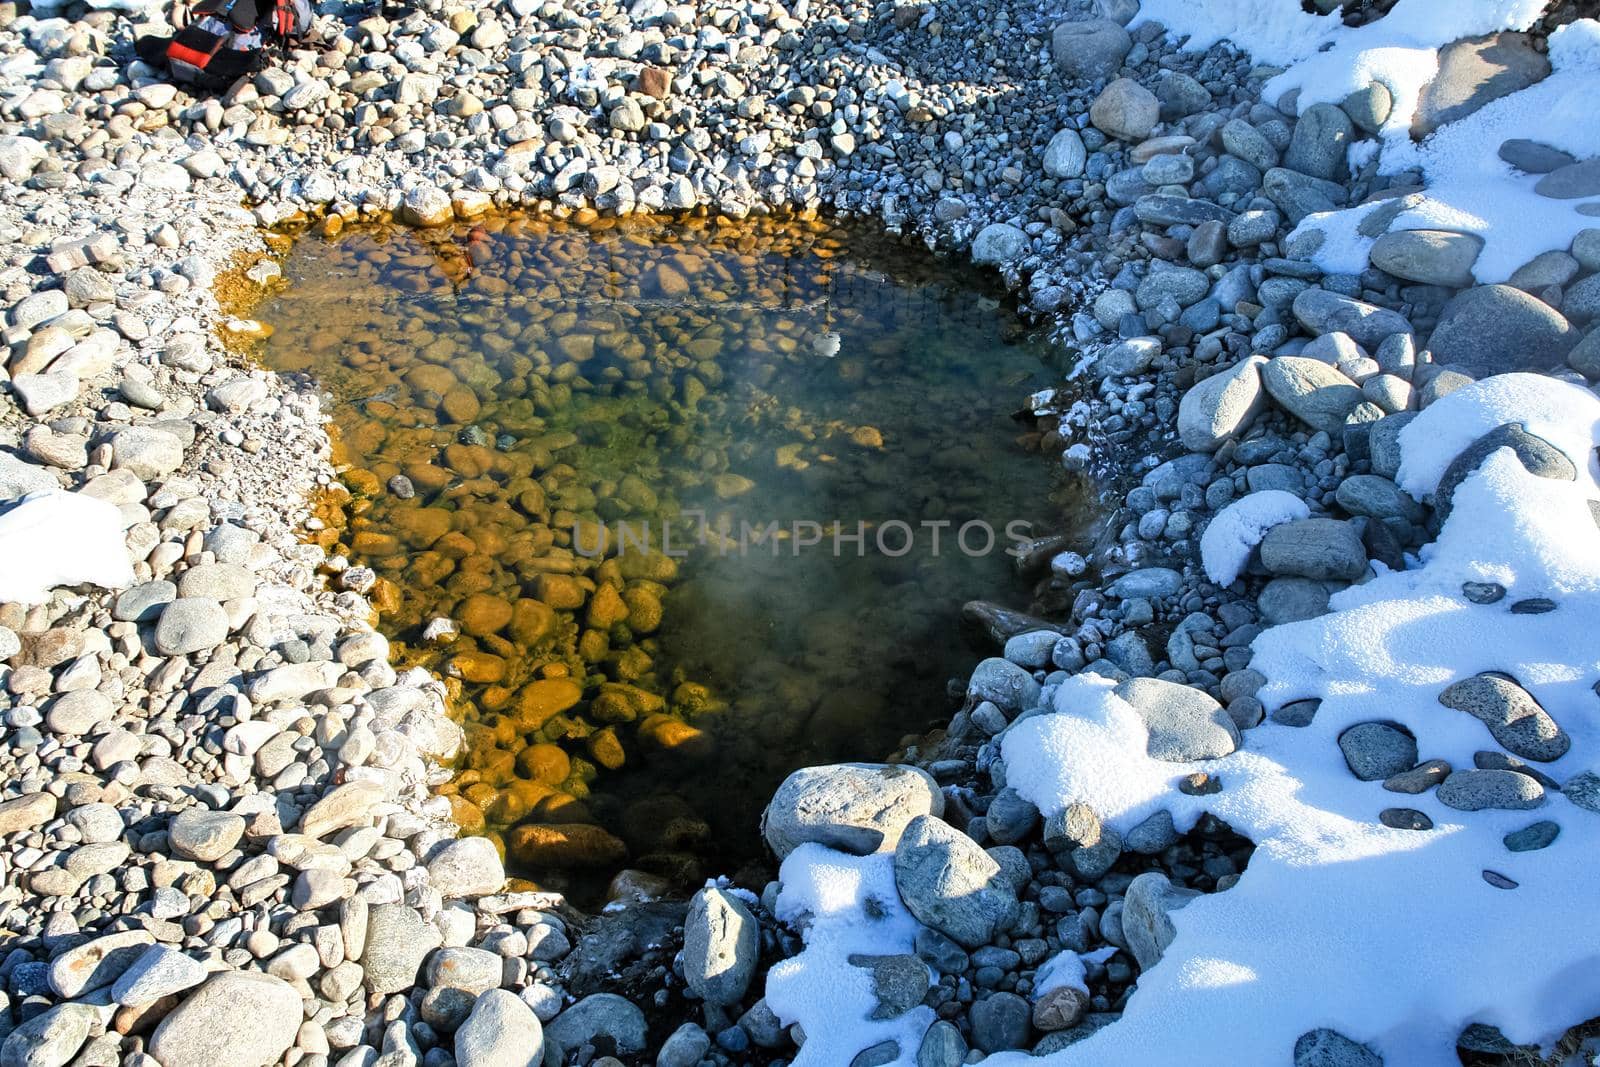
column 1537, row 455
column 613, row 942
column 1496, row 328
column 1474, row 72
column 1001, row 624
column 1405, row 819
column 1329, row 1048
column 1533, row 157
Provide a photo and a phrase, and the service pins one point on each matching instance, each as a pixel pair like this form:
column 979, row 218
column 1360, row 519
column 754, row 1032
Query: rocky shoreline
column 220, row 844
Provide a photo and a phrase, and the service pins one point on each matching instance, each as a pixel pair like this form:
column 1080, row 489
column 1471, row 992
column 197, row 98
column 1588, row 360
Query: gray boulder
column 950, row 884
column 1222, row 406
column 1184, row 723
column 467, row 867
column 1125, row 110
column 502, row 1031
column 1321, row 139
column 1572, row 182
column 1538, row 456
column 191, row 625
column 49, row 1039
column 1375, row 751
column 199, row 834
column 1003, row 684
column 859, row 808
column 1476, row 71
column 1090, row 51
column 720, row 946
column 1329, row 1048
column 998, row 244
column 1513, row 716
column 1433, row 257
column 1476, row 790
column 1322, row 311
column 1585, row 357
column 1320, row 549
column 899, row 982
column 1065, row 155
column 240, row 1018
column 599, row 1017
column 1534, row 157
column 1146, row 916
column 1312, row 391
column 1496, row 328
column 398, row 940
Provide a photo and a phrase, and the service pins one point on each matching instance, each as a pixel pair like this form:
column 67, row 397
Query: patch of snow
column 1237, row 529
column 51, row 538
column 1469, row 187
column 1277, row 33
column 1566, row 415
column 1066, row 968
column 1393, row 937
column 1091, row 751
column 847, row 905
column 1400, row 51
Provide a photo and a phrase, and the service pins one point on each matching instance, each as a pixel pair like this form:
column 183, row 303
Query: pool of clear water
column 673, row 507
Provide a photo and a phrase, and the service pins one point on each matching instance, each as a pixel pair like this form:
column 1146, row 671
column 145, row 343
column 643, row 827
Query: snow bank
column 847, row 905
column 1566, row 415
column 1237, row 529
column 51, row 539
column 1273, row 33
column 1469, row 188
column 1393, row 937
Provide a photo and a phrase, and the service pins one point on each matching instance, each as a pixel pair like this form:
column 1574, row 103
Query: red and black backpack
column 222, row 40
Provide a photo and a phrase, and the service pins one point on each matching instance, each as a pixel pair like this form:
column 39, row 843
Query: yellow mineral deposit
column 506, row 393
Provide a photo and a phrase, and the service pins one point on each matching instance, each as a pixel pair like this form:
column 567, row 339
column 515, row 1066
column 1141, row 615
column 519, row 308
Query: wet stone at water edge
column 597, row 472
